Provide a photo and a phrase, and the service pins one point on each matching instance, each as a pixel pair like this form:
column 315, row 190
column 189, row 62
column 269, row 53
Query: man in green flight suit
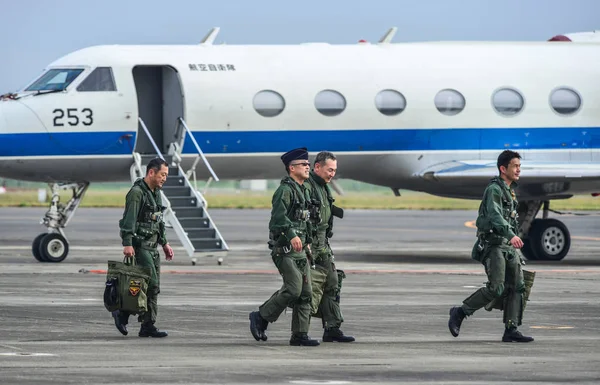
column 497, row 249
column 289, row 239
column 142, row 228
column 325, row 277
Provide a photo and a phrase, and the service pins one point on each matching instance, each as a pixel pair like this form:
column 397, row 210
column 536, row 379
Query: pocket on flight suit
column 300, row 263
column 277, row 258
column 318, row 276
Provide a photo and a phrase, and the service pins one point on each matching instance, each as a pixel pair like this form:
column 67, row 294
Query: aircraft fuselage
column 380, row 138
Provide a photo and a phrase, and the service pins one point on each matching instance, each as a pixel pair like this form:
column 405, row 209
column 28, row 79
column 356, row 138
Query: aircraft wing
column 530, row 171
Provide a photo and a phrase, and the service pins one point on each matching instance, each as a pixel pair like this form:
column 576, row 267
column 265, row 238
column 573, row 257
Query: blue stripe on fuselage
column 239, row 142
column 67, row 144
column 396, row 140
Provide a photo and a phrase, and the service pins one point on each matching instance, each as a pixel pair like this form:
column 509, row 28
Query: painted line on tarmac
column 275, row 272
column 10, row 347
column 471, row 225
column 16, row 354
column 585, row 238
column 552, row 327
column 79, row 248
column 353, row 271
column 320, row 382
column 238, row 248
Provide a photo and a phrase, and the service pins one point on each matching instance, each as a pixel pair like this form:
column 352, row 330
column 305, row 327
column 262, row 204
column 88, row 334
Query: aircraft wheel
column 551, row 239
column 528, row 250
column 54, row 247
column 35, row 247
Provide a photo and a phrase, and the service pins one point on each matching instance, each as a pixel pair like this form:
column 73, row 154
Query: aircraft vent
column 559, row 38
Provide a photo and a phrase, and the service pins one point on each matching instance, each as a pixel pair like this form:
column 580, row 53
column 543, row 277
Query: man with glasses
column 289, row 239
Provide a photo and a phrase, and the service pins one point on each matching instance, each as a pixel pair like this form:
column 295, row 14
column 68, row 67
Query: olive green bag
column 126, row 286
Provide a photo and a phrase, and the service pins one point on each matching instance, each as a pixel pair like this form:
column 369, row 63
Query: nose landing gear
column 53, row 246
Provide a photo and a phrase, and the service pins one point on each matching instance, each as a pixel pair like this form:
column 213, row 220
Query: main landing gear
column 545, row 239
column 53, row 245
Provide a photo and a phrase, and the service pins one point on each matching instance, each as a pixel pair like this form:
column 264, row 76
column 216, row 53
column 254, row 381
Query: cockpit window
column 101, row 79
column 55, row 79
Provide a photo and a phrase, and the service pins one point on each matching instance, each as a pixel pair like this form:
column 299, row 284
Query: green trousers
column 505, row 279
column 295, row 292
column 148, row 258
column 325, row 301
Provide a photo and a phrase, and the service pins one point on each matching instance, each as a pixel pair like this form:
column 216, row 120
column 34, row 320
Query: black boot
column 121, row 326
column 457, row 315
column 336, row 335
column 302, row 339
column 258, row 326
column 149, row 330
column 513, row 335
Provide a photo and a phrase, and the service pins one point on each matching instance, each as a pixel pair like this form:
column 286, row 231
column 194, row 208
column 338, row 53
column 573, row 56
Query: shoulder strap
column 316, row 193
column 504, row 189
column 142, row 203
column 329, row 194
column 294, row 195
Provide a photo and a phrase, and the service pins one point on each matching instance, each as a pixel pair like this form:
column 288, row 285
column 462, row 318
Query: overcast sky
column 36, row 32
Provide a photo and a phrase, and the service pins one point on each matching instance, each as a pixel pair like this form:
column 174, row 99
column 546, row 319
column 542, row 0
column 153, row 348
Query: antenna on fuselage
column 389, row 35
column 210, row 36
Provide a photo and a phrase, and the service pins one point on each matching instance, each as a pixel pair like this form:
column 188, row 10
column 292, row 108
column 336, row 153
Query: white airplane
column 429, row 117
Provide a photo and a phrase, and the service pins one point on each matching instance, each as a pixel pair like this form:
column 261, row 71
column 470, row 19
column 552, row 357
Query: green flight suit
column 497, row 224
column 142, row 227
column 325, row 279
column 289, row 218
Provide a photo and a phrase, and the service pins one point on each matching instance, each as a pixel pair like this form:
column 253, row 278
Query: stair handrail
column 158, row 152
column 169, row 213
column 137, row 162
column 212, row 172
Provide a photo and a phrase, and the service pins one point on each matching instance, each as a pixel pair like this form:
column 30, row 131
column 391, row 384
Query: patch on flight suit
column 135, row 287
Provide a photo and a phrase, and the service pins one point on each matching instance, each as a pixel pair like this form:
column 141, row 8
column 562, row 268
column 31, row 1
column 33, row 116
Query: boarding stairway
column 186, row 208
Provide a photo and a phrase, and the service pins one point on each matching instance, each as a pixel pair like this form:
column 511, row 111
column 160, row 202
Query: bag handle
column 129, row 261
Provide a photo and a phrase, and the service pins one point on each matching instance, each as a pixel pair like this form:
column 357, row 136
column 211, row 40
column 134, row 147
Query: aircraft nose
column 17, row 117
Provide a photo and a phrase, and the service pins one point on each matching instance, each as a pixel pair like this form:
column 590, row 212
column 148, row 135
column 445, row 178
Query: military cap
column 295, row 154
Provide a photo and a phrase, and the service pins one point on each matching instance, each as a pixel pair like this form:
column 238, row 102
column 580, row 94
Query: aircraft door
column 172, row 105
column 160, row 103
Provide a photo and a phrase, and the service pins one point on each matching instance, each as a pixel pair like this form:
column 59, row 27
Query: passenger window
column 330, row 103
column 449, row 102
column 268, row 103
column 507, row 101
column 565, row 101
column 390, row 102
column 101, row 79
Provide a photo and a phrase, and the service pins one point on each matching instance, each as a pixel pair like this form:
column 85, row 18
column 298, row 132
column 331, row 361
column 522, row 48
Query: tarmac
column 405, row 269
